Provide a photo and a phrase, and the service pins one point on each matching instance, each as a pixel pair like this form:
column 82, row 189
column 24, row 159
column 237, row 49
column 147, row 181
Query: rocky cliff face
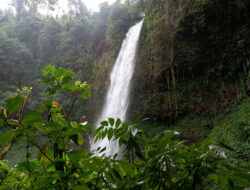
column 193, row 58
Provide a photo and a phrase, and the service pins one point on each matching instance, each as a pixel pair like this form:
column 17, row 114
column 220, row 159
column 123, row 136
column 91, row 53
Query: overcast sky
column 93, row 5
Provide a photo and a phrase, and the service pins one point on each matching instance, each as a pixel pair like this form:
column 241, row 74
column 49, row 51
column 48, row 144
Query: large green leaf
column 6, row 137
column 80, row 139
column 102, row 150
column 13, row 104
column 111, row 121
column 110, row 133
column 74, row 124
column 104, row 123
column 117, row 123
column 32, row 117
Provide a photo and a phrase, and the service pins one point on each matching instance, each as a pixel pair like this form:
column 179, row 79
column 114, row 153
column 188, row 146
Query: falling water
column 117, row 99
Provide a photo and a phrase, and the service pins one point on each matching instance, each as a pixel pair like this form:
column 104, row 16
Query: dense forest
column 188, row 118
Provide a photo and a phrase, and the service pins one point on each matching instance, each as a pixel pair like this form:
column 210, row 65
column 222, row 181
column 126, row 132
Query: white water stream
column 117, row 99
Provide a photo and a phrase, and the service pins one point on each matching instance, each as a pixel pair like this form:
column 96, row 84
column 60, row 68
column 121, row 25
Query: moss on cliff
column 193, row 59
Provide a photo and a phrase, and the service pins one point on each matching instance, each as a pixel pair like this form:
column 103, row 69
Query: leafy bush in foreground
column 149, row 163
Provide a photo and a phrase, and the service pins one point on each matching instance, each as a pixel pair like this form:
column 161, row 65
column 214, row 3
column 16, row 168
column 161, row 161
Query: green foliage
column 4, row 171
column 13, row 104
column 159, row 162
column 164, row 163
column 61, row 79
column 6, row 137
column 233, row 130
column 57, row 79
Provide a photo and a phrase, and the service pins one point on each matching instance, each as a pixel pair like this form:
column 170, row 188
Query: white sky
column 93, row 5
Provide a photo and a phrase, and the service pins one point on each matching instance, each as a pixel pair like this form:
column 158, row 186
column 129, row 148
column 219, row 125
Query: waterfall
column 117, row 99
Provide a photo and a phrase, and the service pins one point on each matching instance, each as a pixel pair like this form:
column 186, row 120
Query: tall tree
column 19, row 8
column 76, row 7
